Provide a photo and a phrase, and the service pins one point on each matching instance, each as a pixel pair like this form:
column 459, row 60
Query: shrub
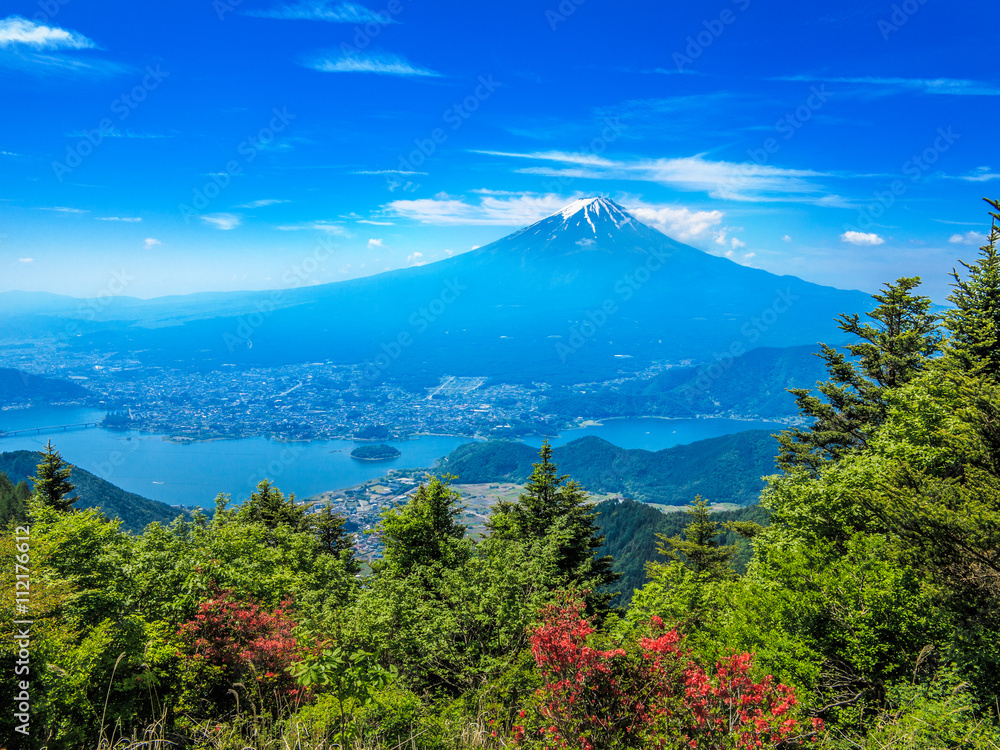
column 650, row 695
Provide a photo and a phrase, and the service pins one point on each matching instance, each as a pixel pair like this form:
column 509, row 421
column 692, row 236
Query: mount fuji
column 587, row 293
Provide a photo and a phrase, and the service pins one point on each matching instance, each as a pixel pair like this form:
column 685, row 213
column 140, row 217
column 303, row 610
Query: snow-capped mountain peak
column 590, row 209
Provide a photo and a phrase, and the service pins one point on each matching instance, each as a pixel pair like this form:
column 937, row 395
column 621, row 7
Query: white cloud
column 321, row 10
column 888, row 85
column 151, row 242
column 330, row 227
column 969, row 238
column 222, row 221
column 382, row 63
column 377, row 223
column 720, row 179
column 980, row 174
column 505, row 208
column 862, row 238
column 63, row 209
column 262, row 203
column 403, row 172
column 515, row 210
column 17, row 31
column 25, row 260
column 676, row 221
column 414, row 259
column 787, row 238
column 130, row 219
column 749, row 256
column 373, row 243
column 736, row 244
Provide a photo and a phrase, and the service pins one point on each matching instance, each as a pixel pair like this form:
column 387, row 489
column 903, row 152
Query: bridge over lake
column 53, row 428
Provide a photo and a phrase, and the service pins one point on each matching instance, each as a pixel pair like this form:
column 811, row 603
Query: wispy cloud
column 131, row 219
column 720, row 179
column 489, row 210
column 373, row 243
column 330, row 227
column 969, row 238
column 380, row 63
column 320, row 10
column 25, row 260
column 377, row 223
column 151, row 242
column 262, row 203
column 862, row 238
column 889, row 85
column 20, row 32
column 38, row 49
column 979, row 174
column 388, row 171
column 224, row 221
column 63, row 209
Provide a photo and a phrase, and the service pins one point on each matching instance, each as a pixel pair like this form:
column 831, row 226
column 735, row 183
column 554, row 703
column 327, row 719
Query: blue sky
column 249, row 144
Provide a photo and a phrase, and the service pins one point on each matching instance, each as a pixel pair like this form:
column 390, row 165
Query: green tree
column 426, row 531
column 268, row 506
column 699, row 546
column 13, row 500
column 333, row 538
column 51, row 482
column 893, row 349
column 555, row 508
column 974, row 324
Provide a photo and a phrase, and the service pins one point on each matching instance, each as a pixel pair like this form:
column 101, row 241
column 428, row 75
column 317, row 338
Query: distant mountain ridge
column 586, row 294
column 726, row 469
column 19, row 387
column 135, row 511
column 754, row 385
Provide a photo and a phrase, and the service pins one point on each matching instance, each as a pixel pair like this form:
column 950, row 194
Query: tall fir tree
column 974, row 323
column 51, row 485
column 556, row 507
column 268, row 506
column 893, row 349
column 698, row 545
column 334, row 539
column 426, row 530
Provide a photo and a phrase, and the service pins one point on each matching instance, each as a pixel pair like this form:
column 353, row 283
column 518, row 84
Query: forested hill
column 725, row 469
column 22, row 387
column 630, row 530
column 134, row 510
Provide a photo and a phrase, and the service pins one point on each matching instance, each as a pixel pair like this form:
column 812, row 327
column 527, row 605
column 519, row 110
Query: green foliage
column 351, row 678
column 554, row 507
column 631, row 531
column 974, row 323
column 425, row 531
column 699, row 547
column 268, row 507
column 13, row 501
column 333, row 537
column 891, row 352
column 51, row 485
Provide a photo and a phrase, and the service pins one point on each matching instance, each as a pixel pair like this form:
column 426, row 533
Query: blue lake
column 655, row 434
column 194, row 473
